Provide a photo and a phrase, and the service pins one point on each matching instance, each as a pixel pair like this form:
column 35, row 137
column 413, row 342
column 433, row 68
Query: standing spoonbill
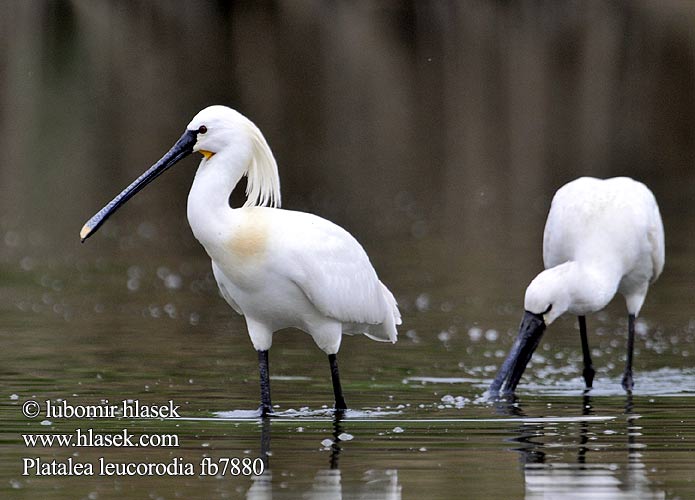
column 601, row 237
column 278, row 268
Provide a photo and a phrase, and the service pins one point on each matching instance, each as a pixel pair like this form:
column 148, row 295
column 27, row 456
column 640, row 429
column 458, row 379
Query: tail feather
column 381, row 332
column 393, row 305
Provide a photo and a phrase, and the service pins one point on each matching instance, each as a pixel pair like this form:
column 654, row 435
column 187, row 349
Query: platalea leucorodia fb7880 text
column 278, row 268
column 601, row 237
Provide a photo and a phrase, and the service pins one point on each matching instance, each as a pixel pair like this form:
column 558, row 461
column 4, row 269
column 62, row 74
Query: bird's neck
column 208, row 200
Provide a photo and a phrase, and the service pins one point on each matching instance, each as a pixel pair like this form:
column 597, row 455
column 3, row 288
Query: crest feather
column 263, row 186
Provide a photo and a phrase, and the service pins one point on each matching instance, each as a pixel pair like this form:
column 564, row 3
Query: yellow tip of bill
column 85, row 232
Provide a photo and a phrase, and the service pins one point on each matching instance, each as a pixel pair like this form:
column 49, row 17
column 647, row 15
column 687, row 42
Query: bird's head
column 548, row 295
column 219, row 129
column 216, row 132
column 547, row 298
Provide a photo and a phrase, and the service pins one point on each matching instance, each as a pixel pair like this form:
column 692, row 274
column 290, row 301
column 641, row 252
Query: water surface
column 418, row 423
column 436, row 134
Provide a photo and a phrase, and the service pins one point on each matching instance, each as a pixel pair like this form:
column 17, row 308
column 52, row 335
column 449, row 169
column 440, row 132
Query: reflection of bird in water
column 376, row 484
column 602, row 237
column 262, row 487
column 381, row 484
column 278, row 268
column 546, row 476
column 328, row 483
column 636, row 469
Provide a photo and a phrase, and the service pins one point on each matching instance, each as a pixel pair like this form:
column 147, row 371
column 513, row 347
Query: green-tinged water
column 434, row 132
column 81, row 333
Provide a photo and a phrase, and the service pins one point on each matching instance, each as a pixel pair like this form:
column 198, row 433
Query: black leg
column 337, row 389
column 628, row 384
column 266, row 408
column 589, row 371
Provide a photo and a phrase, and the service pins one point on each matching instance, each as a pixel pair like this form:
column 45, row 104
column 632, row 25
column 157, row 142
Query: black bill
column 530, row 333
column 182, row 148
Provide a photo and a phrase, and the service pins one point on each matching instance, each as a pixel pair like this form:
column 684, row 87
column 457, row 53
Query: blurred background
column 436, row 132
column 398, row 120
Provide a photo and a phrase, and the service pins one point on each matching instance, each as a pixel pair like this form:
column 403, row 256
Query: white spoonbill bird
column 278, row 268
column 601, row 237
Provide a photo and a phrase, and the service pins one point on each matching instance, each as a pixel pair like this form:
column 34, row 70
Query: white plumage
column 292, row 269
column 278, row 268
column 602, row 237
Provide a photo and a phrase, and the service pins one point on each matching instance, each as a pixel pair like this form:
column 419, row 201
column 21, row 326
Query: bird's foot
column 588, row 375
column 628, row 383
column 265, row 411
column 508, row 395
column 340, row 406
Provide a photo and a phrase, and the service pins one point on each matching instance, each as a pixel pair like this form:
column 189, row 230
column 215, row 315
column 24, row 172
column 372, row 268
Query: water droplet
column 475, row 333
column 194, row 319
column 491, row 335
column 12, row 239
column 422, row 302
column 170, row 309
column 173, row 281
column 27, row 263
column 444, row 336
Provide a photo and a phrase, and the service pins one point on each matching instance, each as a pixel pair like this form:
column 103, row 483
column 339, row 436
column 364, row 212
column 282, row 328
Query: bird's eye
column 550, row 306
column 202, row 129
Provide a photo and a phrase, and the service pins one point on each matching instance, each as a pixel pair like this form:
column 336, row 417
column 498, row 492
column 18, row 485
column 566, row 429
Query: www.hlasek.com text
column 90, row 439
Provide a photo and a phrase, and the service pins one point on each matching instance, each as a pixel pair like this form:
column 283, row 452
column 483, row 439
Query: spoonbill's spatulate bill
column 602, row 237
column 276, row 267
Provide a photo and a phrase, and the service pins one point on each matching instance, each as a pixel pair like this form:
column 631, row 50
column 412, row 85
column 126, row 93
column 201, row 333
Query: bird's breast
column 241, row 247
column 249, row 237
column 248, row 241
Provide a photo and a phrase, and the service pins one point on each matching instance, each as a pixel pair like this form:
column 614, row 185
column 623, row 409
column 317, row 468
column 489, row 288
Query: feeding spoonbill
column 601, row 237
column 278, row 268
